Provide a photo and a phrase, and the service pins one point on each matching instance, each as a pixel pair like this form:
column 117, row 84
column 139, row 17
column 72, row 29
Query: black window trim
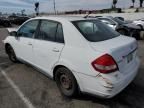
column 38, row 30
column 35, row 30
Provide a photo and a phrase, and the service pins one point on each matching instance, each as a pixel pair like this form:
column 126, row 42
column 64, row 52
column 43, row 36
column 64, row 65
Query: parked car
column 12, row 18
column 139, row 22
column 120, row 18
column 4, row 22
column 18, row 19
column 79, row 54
column 122, row 27
column 89, row 16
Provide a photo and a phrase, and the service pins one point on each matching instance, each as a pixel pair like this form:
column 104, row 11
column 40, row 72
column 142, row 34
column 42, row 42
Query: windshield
column 95, row 30
column 119, row 21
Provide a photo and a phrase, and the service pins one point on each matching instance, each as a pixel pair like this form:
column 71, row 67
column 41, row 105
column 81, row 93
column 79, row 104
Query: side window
column 28, row 29
column 88, row 28
column 47, row 30
column 59, row 34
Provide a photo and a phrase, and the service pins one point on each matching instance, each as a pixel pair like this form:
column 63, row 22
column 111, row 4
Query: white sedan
column 79, row 54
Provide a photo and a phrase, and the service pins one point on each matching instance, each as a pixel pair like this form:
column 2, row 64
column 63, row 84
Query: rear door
column 48, row 44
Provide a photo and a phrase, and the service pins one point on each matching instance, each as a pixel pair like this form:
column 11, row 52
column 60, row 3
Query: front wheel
column 66, row 82
column 11, row 54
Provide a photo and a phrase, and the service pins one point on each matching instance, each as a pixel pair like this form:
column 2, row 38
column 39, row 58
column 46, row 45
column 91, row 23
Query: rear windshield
column 95, row 30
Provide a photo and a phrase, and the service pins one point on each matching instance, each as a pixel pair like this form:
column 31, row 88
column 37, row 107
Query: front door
column 24, row 40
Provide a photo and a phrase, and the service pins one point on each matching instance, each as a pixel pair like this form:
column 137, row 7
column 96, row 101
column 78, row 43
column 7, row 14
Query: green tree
column 114, row 3
column 141, row 3
column 23, row 11
column 133, row 1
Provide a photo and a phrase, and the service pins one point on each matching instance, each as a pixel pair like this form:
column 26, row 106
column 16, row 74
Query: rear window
column 95, row 30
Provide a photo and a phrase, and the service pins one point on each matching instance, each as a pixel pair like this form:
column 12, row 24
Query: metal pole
column 55, row 7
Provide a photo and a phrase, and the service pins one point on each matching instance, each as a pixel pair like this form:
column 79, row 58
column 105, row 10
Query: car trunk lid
column 122, row 49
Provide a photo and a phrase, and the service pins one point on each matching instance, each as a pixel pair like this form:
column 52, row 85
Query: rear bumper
column 107, row 87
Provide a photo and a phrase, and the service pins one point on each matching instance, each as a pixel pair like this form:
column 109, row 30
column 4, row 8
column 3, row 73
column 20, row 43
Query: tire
column 11, row 54
column 66, row 82
column 123, row 32
column 136, row 35
column 140, row 26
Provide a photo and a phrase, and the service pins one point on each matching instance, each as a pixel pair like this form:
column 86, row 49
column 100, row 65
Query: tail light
column 105, row 64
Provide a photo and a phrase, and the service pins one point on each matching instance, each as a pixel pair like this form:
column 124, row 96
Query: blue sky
column 16, row 6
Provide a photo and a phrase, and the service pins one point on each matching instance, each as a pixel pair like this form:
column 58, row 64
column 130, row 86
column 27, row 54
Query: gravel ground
column 42, row 92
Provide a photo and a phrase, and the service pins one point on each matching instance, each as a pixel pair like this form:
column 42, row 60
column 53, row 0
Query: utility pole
column 54, row 6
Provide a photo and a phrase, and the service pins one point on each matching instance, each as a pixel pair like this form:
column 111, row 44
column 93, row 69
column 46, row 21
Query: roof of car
column 61, row 18
column 108, row 17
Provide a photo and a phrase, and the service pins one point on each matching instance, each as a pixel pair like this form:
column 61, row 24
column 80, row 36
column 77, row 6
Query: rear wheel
column 140, row 26
column 11, row 54
column 135, row 34
column 66, row 82
column 122, row 31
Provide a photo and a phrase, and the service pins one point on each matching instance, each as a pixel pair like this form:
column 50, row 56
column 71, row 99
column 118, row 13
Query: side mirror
column 13, row 33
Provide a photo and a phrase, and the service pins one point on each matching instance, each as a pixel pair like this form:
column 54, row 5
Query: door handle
column 55, row 50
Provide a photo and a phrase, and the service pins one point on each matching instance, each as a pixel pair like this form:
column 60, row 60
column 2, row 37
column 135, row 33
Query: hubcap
column 65, row 81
